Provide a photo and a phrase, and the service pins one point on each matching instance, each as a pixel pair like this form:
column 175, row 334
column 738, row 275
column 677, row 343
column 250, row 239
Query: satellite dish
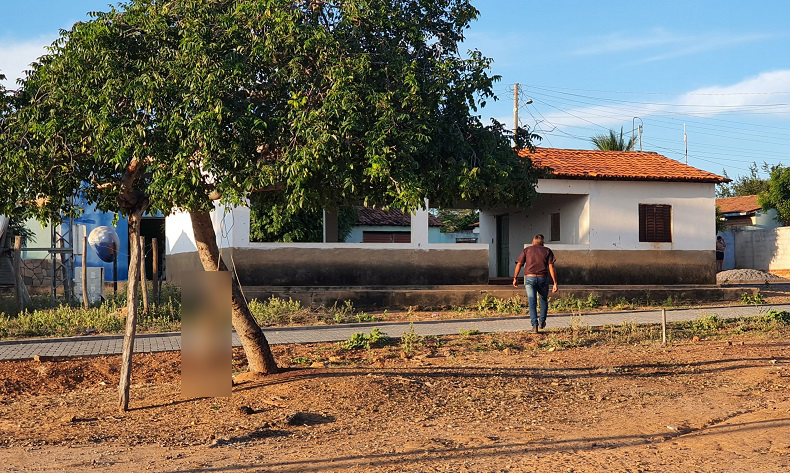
column 104, row 240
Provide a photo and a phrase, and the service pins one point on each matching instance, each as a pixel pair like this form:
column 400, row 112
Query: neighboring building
column 388, row 226
column 394, row 226
column 610, row 217
column 37, row 265
column 744, row 212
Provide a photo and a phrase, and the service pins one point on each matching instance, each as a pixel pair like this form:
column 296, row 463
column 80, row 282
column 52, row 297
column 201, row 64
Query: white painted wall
column 419, row 226
column 604, row 215
column 614, row 214
column 768, row 250
column 231, row 225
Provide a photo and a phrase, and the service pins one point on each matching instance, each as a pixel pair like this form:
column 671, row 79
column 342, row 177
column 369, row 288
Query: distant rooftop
column 389, row 218
column 744, row 204
column 616, row 165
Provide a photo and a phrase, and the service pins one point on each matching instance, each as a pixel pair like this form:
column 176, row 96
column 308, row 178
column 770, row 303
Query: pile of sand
column 737, row 275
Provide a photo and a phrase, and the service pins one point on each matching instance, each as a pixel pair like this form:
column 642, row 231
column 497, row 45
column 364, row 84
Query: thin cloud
column 660, row 44
column 763, row 93
column 16, row 57
column 698, row 46
column 622, row 42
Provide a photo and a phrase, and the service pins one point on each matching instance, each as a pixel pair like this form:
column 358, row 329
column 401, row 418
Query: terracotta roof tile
column 616, row 165
column 747, row 203
column 394, row 218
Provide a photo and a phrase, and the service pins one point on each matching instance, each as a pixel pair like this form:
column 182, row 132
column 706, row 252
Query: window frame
column 648, row 215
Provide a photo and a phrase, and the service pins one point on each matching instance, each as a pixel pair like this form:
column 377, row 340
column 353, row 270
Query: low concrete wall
column 314, row 266
column 348, row 267
column 427, row 298
column 617, row 267
column 767, row 250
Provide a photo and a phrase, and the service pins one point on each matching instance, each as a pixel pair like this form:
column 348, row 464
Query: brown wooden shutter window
column 655, row 223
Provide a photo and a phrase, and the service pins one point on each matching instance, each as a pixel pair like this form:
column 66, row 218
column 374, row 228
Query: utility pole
column 515, row 112
column 686, row 141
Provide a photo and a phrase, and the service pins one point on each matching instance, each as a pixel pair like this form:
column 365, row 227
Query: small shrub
column 770, row 321
column 301, row 360
column 707, row 324
column 364, row 340
column 571, row 303
column 341, row 314
column 489, row 303
column 363, row 317
column 469, row 333
column 276, row 311
column 410, row 341
column 755, row 299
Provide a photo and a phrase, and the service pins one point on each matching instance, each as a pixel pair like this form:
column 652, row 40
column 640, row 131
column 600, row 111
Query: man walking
column 538, row 262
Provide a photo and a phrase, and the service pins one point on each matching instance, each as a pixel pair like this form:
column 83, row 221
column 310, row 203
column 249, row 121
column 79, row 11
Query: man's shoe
column 534, row 329
column 543, row 325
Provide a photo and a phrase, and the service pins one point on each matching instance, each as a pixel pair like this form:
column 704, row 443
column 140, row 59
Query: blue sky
column 720, row 67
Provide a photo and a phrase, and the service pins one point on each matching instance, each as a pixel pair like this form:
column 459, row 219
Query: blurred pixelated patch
column 206, row 348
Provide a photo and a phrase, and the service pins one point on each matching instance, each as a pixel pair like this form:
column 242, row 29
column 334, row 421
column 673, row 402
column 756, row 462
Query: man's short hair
column 538, row 237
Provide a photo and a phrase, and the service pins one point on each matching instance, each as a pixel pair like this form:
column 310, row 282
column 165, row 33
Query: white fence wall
column 767, row 250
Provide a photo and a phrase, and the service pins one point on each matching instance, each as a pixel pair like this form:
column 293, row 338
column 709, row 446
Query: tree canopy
column 365, row 100
column 750, row 184
column 271, row 220
column 777, row 196
column 613, row 142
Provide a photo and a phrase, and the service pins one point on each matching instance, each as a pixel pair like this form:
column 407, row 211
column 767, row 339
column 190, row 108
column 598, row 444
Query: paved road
column 113, row 344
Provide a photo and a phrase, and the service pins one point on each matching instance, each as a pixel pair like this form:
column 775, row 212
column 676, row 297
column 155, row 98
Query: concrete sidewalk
column 148, row 343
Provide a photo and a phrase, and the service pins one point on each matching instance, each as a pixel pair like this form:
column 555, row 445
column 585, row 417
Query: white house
column 610, row 217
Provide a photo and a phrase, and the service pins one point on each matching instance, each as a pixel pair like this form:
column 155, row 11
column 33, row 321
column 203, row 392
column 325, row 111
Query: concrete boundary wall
column 348, row 265
column 622, row 267
column 767, row 250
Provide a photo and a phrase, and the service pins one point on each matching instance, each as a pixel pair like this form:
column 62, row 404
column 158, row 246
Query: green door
column 503, row 245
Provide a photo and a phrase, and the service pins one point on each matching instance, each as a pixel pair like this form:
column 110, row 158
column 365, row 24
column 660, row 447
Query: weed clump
column 362, row 340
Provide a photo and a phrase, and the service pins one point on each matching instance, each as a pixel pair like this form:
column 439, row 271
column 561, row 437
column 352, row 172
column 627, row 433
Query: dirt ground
column 475, row 404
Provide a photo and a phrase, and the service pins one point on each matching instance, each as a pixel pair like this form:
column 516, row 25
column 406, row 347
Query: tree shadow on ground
column 446, row 454
column 644, row 370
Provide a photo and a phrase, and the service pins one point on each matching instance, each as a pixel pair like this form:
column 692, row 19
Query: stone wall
column 37, row 272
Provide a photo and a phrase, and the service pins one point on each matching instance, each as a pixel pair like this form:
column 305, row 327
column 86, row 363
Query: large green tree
column 167, row 105
column 777, row 196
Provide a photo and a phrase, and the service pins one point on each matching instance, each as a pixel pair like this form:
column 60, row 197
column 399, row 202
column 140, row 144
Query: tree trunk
column 131, row 308
column 256, row 348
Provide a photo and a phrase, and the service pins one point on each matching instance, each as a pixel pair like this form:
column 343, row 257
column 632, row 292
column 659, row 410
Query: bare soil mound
column 745, row 275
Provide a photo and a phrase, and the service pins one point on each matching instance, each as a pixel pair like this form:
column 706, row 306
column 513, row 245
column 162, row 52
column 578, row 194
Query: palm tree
column 612, row 142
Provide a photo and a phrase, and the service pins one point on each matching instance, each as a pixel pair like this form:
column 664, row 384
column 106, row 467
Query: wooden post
column 143, row 285
column 22, row 297
column 663, row 326
column 155, row 270
column 115, row 270
column 85, row 302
